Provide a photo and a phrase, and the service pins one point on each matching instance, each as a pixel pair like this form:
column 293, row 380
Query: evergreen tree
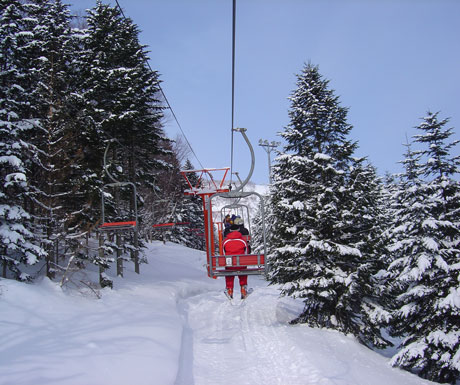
column 172, row 206
column 193, row 214
column 316, row 254
column 425, row 251
column 65, row 93
column 123, row 94
column 257, row 239
column 172, row 191
column 18, row 244
column 364, row 220
column 122, row 106
column 50, row 61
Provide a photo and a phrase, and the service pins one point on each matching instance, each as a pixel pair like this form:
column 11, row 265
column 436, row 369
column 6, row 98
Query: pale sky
column 389, row 61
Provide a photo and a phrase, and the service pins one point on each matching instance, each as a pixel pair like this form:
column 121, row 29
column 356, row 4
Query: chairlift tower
column 269, row 147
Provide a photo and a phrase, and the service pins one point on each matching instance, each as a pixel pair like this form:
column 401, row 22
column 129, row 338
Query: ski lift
column 251, row 264
column 122, row 224
column 128, row 224
column 166, row 223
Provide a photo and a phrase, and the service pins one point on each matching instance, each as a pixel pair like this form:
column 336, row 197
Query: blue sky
column 389, row 61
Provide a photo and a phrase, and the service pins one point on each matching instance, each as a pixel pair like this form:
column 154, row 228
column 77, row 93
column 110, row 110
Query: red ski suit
column 234, row 244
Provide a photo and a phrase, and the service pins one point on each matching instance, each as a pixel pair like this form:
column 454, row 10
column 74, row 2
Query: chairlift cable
column 121, row 10
column 167, row 102
column 233, row 88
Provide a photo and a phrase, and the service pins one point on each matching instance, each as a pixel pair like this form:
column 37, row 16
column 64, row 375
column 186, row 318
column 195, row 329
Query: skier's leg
column 229, row 281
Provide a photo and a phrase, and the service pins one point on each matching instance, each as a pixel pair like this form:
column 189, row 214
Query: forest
column 81, row 111
column 81, row 119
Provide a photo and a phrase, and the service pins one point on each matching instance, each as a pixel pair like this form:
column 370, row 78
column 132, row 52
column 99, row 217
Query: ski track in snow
column 249, row 342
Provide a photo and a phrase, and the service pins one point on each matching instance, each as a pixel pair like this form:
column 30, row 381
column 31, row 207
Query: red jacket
column 234, row 244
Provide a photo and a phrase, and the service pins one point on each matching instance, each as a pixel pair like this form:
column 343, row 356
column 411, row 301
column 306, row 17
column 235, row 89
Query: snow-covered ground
column 173, row 325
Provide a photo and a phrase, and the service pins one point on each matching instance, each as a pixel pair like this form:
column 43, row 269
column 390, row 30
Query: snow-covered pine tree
column 18, row 244
column 257, row 237
column 123, row 94
column 172, row 187
column 365, row 218
column 381, row 280
column 52, row 87
column 305, row 198
column 192, row 208
column 122, row 105
column 313, row 256
column 172, row 206
column 425, row 250
column 441, row 168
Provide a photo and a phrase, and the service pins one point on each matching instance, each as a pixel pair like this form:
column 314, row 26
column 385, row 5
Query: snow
column 298, row 205
column 12, row 160
column 17, row 176
column 319, row 156
column 11, row 238
column 173, row 325
column 430, row 244
column 452, row 300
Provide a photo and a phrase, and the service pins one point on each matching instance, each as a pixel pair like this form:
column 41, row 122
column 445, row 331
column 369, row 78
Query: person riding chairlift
column 244, row 231
column 235, row 244
column 228, row 221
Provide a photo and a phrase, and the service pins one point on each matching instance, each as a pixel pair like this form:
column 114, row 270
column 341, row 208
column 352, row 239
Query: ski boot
column 244, row 291
column 229, row 293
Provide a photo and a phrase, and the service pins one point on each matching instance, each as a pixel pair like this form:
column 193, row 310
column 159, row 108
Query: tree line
column 66, row 93
column 374, row 257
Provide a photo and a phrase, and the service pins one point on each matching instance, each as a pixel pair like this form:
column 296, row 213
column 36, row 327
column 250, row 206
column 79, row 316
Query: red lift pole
column 206, row 186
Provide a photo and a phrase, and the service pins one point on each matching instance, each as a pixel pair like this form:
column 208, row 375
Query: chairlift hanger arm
column 106, row 168
column 248, row 178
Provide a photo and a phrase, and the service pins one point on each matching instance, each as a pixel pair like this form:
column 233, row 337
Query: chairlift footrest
column 230, row 273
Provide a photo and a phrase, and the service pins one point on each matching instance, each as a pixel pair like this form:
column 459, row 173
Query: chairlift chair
column 251, row 264
column 119, row 227
column 130, row 223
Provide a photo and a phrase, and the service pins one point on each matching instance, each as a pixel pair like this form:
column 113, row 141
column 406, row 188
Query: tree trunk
column 119, row 256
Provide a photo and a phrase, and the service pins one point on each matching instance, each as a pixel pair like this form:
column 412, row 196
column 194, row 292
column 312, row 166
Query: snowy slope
column 173, row 325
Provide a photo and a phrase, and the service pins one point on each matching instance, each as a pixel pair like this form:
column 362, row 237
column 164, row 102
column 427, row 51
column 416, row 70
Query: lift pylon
column 206, row 186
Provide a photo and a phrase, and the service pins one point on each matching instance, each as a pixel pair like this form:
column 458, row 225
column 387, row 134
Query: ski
column 232, row 300
column 228, row 296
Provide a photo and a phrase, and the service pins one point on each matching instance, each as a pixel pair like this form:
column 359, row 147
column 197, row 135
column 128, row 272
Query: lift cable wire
column 233, row 88
column 167, row 102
